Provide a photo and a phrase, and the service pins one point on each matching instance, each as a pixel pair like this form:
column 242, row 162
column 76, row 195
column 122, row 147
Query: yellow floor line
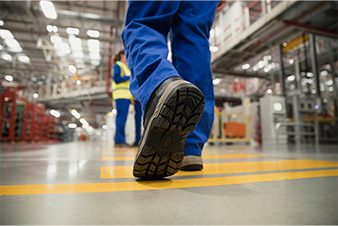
column 228, row 167
column 133, row 151
column 230, row 156
column 155, row 185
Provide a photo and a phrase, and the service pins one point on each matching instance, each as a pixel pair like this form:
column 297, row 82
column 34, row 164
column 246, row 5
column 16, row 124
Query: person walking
column 123, row 98
column 177, row 98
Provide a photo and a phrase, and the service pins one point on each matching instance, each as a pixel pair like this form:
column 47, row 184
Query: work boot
column 173, row 110
column 192, row 163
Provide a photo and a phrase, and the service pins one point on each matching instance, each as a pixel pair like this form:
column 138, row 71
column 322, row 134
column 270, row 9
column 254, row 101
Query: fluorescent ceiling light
column 9, row 78
column 245, row 66
column 291, row 78
column 309, row 74
column 55, row 39
column 93, row 45
column 13, row 45
column 24, row 59
column 261, row 64
column 78, row 54
column 6, row 34
column 75, row 43
column 72, row 68
column 48, row 9
column 216, row 81
column 55, row 113
column 64, row 47
column 323, row 73
column 7, row 57
column 72, row 31
column 94, row 56
column 35, row 95
column 83, row 121
column 93, row 33
column 51, row 28
column 75, row 113
column 213, row 49
column 72, row 125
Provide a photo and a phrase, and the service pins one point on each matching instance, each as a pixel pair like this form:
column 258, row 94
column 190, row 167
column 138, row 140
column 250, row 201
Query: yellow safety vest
column 121, row 90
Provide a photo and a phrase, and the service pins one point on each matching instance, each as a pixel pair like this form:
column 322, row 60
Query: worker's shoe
column 173, row 110
column 192, row 163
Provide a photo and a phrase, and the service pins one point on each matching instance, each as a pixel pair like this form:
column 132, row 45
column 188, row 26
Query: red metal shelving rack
column 8, row 99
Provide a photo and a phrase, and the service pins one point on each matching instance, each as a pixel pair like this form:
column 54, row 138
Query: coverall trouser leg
column 122, row 106
column 138, row 119
column 145, row 42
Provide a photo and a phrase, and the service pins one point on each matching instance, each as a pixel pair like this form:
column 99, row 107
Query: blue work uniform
column 122, row 100
column 145, row 40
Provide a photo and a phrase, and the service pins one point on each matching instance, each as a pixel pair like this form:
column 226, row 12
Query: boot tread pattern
column 163, row 151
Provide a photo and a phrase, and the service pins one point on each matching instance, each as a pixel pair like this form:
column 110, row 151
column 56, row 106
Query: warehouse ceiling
column 316, row 17
column 80, row 35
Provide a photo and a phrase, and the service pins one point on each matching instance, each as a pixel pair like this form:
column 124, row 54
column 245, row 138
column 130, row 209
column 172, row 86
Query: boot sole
column 161, row 148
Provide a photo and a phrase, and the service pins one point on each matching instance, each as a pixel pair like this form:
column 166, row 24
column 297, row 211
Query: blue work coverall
column 145, row 42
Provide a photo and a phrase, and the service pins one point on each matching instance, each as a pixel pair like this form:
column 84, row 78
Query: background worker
column 171, row 94
column 123, row 98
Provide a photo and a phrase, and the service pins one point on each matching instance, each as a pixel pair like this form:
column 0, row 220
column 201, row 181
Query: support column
column 49, row 83
column 263, row 5
column 314, row 63
column 315, row 71
column 334, row 78
column 282, row 71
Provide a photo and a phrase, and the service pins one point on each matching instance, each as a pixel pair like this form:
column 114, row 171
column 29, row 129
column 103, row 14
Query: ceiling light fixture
column 93, row 33
column 9, row 78
column 75, row 113
column 72, row 68
column 24, row 59
column 35, row 95
column 48, row 9
column 7, row 57
column 51, row 28
column 55, row 113
column 216, row 81
column 291, row 78
column 72, row 125
column 6, row 34
column 13, row 45
column 72, row 31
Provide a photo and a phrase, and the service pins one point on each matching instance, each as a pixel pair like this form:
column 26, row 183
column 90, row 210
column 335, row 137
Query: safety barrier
column 294, row 124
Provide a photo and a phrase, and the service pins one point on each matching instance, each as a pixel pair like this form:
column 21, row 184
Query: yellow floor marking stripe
column 230, row 156
column 155, row 185
column 228, row 167
column 128, row 151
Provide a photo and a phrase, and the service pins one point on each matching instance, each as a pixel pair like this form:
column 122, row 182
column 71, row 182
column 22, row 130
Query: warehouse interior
column 272, row 156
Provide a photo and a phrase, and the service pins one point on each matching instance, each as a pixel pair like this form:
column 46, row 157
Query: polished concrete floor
column 92, row 183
